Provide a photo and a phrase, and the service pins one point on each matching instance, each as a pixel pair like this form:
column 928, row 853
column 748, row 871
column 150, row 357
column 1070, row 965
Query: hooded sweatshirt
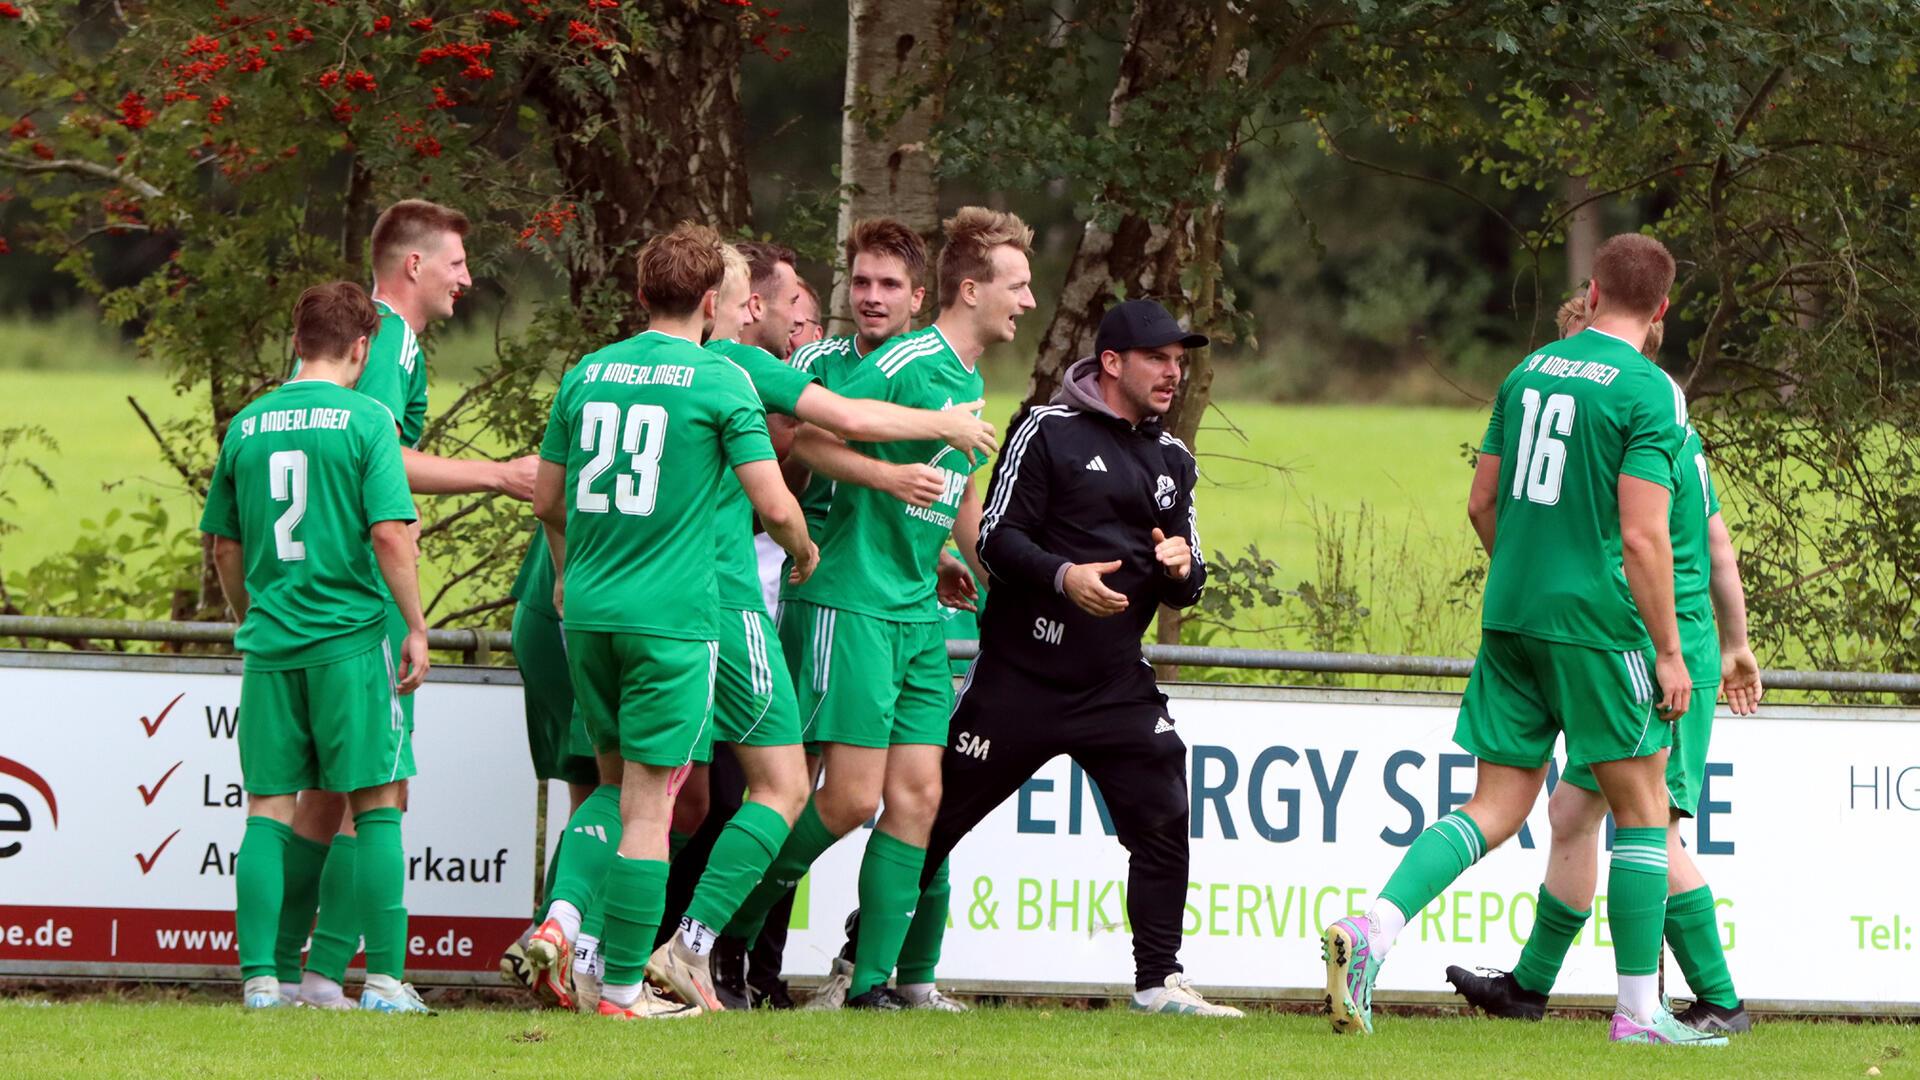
column 1079, row 484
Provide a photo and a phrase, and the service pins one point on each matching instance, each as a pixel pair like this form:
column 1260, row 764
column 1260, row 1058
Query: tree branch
column 166, row 449
column 77, row 167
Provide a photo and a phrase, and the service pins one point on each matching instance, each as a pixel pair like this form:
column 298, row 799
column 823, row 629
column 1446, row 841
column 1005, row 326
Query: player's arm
column 966, row 527
column 430, row 474
column 394, row 549
column 1183, row 570
column 870, row 420
column 1483, row 498
column 824, row 453
column 1646, row 548
column 550, row 506
column 230, row 562
column 779, row 514
column 1739, row 671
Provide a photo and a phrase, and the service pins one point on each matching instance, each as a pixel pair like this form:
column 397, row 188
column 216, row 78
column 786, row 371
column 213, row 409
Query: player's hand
column 516, row 477
column 560, row 596
column 1091, row 595
column 955, row 587
column 967, row 432
column 804, row 563
column 1676, row 686
column 414, row 652
column 1174, row 555
column 916, row 484
column 1740, row 680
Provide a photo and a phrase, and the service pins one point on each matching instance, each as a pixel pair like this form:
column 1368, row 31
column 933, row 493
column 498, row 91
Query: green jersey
column 878, row 555
column 827, row 360
column 647, row 429
column 304, row 473
column 1694, row 503
column 533, row 585
column 737, row 562
column 395, row 375
column 1568, row 423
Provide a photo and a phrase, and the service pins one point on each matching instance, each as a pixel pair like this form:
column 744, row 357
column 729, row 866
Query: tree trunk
column 896, row 86
column 1583, row 232
column 666, row 144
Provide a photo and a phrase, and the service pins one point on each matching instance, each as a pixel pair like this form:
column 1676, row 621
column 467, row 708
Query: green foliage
column 116, row 569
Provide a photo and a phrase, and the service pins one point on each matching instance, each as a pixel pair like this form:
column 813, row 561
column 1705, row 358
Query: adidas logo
column 1163, row 725
column 598, row 832
column 1096, row 465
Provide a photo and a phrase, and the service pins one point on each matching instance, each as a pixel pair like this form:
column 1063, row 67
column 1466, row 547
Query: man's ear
column 709, row 304
column 411, row 265
column 919, row 296
column 1593, row 298
column 361, row 350
column 1110, row 362
column 756, row 307
column 1662, row 313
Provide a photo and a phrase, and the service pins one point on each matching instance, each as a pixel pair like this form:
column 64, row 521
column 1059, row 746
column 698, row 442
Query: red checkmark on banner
column 146, row 861
column 149, row 796
column 154, row 724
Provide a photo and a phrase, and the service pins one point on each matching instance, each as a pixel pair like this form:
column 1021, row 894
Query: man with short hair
column 419, row 260
column 1576, row 479
column 807, row 324
column 774, row 297
column 307, row 475
column 1712, row 612
column 1090, row 526
column 864, row 638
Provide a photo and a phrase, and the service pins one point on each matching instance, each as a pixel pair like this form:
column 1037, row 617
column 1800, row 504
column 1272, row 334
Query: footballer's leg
column 306, row 861
column 324, row 816
column 1692, row 928
column 276, row 761
column 1504, row 721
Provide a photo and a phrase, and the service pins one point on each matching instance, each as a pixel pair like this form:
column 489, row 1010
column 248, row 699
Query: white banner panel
column 121, row 812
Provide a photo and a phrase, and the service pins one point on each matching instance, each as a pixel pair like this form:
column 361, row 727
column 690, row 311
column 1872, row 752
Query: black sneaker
column 882, row 998
column 774, row 994
column 1498, row 993
column 729, row 968
column 1710, row 1019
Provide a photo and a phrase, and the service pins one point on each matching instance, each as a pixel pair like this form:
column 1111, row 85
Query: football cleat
column 1498, row 994
column 648, row 1006
column 263, row 992
column 728, row 963
column 679, row 969
column 514, row 968
column 1662, row 1030
column 934, row 1001
column 402, row 1000
column 1178, row 997
column 550, row 956
column 881, row 998
column 1351, row 971
column 832, row 994
column 1713, row 1020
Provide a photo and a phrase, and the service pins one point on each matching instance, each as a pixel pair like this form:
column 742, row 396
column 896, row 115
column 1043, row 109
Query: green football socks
column 805, row 843
column 379, row 885
column 741, row 855
column 591, row 841
column 1695, row 938
column 920, row 952
column 259, row 884
column 889, row 900
column 1637, row 898
column 1555, row 926
column 336, row 936
column 304, row 860
column 1436, row 858
column 635, row 902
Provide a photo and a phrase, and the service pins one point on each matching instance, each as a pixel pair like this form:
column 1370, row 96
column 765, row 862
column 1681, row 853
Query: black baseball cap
column 1141, row 324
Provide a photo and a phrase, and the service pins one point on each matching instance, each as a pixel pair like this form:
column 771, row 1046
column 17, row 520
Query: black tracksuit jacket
column 1078, row 484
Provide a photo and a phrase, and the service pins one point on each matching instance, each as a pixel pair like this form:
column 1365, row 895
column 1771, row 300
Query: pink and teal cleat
column 1662, row 1030
column 1351, row 970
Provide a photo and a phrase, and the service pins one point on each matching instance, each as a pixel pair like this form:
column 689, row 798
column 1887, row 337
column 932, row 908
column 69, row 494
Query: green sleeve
column 222, row 514
column 384, row 494
column 384, row 380
column 778, row 384
column 742, row 423
column 1656, row 431
column 558, row 440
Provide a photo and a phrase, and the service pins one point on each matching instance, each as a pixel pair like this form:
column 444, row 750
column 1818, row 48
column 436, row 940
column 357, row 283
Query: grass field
column 1277, row 476
column 191, row 1040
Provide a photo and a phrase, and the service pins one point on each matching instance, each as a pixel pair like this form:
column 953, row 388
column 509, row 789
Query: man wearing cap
column 1088, row 528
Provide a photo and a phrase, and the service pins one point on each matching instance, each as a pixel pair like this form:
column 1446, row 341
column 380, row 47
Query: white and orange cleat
column 648, row 1006
column 686, row 973
column 550, row 960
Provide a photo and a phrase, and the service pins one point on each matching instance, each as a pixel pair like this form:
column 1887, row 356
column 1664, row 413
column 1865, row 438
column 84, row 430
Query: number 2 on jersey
column 287, row 483
column 642, row 437
column 1542, row 458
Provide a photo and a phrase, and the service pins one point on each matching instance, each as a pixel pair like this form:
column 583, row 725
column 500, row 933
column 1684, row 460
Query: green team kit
column 864, row 635
column 556, row 737
column 1563, row 647
column 647, row 429
column 303, row 474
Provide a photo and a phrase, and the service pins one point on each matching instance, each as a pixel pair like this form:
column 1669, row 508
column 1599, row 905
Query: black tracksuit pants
column 1007, row 724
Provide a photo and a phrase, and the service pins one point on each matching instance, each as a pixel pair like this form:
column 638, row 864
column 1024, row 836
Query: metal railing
column 480, row 646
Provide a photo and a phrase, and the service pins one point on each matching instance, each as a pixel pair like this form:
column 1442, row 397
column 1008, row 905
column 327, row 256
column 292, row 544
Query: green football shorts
column 1526, row 690
column 863, row 681
column 397, row 643
column 753, row 703
column 648, row 697
column 540, row 652
column 1686, row 763
column 337, row 727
